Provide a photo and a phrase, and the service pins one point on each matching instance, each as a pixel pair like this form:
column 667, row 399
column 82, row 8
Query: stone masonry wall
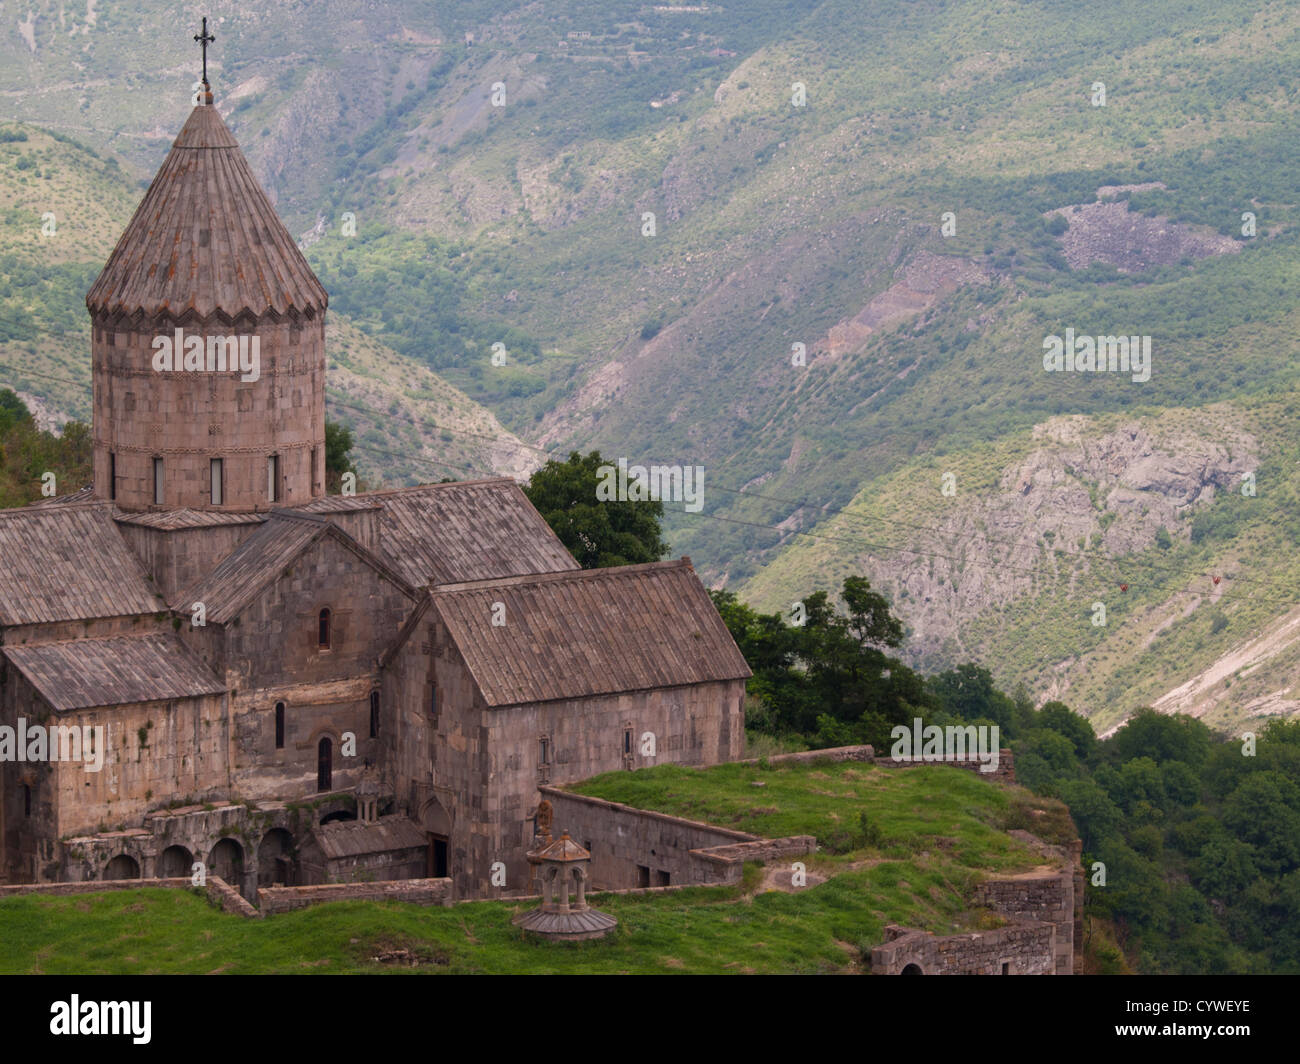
column 176, row 559
column 1019, row 949
column 272, row 900
column 217, row 889
column 187, row 418
column 1043, row 907
column 642, row 848
column 471, row 773
column 271, row 654
column 1004, row 773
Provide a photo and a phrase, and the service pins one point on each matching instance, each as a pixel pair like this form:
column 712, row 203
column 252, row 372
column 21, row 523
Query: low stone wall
column 639, row 847
column 416, row 891
column 831, row 753
column 1048, row 897
column 217, row 889
column 726, row 864
column 1004, row 773
column 1018, row 949
column 630, row 846
column 229, row 898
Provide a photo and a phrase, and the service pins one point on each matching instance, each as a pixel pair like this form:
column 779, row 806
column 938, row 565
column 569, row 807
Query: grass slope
column 940, row 829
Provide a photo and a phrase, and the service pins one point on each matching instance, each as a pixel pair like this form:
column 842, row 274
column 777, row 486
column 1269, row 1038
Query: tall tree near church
column 338, row 457
column 597, row 534
column 28, row 452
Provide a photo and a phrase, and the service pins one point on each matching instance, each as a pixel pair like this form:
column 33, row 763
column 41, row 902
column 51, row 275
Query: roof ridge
column 286, row 514
column 429, row 487
column 42, row 508
column 608, row 572
column 264, row 574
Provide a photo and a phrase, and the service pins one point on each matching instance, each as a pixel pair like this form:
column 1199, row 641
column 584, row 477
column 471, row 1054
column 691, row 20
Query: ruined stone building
column 295, row 687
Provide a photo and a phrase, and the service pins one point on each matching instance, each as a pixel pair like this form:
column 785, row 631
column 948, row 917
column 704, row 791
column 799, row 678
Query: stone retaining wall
column 641, row 848
column 831, row 753
column 1018, row 949
column 1004, row 773
column 417, row 891
column 217, row 889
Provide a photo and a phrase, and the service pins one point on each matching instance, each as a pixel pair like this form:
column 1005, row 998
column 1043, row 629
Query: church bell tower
column 208, row 341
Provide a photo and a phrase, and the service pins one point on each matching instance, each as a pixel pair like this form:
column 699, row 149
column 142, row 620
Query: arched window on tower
column 279, row 725
column 325, row 633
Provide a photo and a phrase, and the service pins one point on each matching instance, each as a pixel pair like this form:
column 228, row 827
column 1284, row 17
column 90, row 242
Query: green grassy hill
column 940, row 829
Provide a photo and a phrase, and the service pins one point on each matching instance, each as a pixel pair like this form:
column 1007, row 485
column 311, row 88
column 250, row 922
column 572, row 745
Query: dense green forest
column 27, row 454
column 1191, row 838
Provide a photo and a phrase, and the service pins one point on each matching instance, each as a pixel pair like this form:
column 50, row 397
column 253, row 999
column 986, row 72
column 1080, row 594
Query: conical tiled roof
column 205, row 238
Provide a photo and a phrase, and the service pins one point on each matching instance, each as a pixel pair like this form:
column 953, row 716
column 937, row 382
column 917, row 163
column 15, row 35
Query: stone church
column 291, row 687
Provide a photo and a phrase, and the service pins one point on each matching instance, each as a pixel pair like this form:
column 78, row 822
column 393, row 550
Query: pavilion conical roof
column 564, row 849
column 205, row 240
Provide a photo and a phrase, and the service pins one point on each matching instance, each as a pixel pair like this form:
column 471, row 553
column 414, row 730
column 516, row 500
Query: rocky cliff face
column 1075, row 503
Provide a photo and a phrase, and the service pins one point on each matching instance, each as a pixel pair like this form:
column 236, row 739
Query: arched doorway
column 325, row 764
column 175, row 862
column 227, row 861
column 912, row 969
column 123, row 866
column 275, row 859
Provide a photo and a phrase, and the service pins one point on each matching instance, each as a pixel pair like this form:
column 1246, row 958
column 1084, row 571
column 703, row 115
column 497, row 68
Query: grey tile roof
column 206, row 239
column 472, row 530
column 186, row 518
column 263, row 556
column 66, row 563
column 86, row 494
column 600, row 631
column 352, row 838
column 82, row 673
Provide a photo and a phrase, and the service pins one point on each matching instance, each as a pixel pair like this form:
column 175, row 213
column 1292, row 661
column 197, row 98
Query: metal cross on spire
column 204, row 39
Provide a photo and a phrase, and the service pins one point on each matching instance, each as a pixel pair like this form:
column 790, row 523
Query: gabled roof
column 591, row 632
column 353, row 838
column 86, row 494
column 173, row 520
column 262, row 557
column 470, row 530
column 68, row 563
column 206, row 239
column 83, row 673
